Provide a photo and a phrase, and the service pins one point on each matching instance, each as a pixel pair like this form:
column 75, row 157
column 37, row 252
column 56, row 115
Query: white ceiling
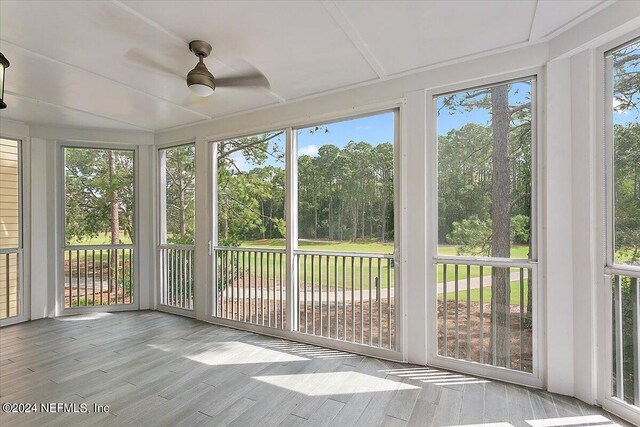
column 89, row 63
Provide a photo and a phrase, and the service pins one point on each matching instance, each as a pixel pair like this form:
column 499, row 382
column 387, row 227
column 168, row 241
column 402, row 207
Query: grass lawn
column 486, row 295
column 519, row 251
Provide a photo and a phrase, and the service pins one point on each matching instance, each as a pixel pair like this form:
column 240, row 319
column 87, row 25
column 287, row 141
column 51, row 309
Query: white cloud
column 309, row 150
column 240, row 161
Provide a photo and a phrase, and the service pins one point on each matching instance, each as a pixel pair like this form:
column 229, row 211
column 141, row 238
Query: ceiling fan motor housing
column 200, row 75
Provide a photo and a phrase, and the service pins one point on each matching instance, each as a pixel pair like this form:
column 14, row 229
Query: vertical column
column 291, row 212
column 205, row 179
column 415, row 271
column 145, row 269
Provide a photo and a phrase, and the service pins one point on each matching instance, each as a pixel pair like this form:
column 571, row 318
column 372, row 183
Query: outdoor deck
column 157, row 369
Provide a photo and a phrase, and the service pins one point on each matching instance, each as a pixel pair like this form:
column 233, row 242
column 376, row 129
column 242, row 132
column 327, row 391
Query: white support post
column 162, row 194
column 212, row 155
column 202, row 291
column 291, row 209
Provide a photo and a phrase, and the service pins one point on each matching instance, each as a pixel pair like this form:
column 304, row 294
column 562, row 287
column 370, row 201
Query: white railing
column 343, row 296
column 347, row 296
column 626, row 337
column 250, row 285
column 98, row 275
column 176, row 276
column 485, row 311
column 10, row 304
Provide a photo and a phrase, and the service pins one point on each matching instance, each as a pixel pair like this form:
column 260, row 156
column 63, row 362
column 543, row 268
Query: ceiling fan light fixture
column 200, row 80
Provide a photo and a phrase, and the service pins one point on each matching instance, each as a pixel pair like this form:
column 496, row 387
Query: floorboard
column 157, row 369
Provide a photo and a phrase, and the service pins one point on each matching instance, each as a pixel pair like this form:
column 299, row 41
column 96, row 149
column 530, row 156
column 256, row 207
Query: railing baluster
column 445, row 312
column 619, row 345
column 306, row 318
column 262, row 286
column 481, row 315
column 93, row 277
column 281, row 294
column 456, row 295
column 635, row 292
column 507, row 308
column 521, row 318
column 370, row 304
column 8, row 286
column 328, row 297
column 244, row 284
column 353, row 299
column 361, row 306
column 268, row 293
column 255, row 286
column 389, row 328
column 344, row 299
column 320, row 292
column 494, row 317
column 101, row 275
column 378, row 294
column 70, row 279
column 108, row 276
column 335, row 295
column 78, row 278
column 469, row 312
column 313, row 298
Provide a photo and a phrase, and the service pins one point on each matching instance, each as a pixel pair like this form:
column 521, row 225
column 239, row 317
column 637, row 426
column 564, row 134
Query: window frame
column 536, row 263
column 533, row 256
column 606, row 226
column 611, row 266
column 60, row 240
column 160, row 217
column 399, row 106
column 23, row 291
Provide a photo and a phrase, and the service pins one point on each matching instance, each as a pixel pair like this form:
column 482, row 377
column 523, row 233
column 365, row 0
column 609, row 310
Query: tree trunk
column 182, row 200
column 385, row 195
column 501, row 215
column 115, row 219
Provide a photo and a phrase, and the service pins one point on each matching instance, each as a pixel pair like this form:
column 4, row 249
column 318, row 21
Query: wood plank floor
column 158, row 369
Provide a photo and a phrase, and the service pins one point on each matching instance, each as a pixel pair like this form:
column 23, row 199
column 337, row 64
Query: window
column 10, row 229
column 345, row 185
column 485, row 244
column 177, row 225
column 346, row 233
column 623, row 143
column 99, row 226
column 251, row 227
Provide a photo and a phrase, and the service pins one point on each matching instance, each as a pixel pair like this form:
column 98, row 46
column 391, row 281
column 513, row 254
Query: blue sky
column 372, row 129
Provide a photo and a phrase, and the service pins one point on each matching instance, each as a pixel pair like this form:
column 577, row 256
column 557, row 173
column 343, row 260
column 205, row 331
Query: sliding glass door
column 12, row 295
column 99, row 248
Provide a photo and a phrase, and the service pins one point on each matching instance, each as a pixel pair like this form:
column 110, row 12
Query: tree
column 98, row 194
column 180, row 194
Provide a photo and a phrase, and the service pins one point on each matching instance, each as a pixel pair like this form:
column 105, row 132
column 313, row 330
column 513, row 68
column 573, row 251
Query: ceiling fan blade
column 141, row 59
column 254, row 80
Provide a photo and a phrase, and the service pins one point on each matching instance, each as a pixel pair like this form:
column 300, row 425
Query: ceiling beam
column 352, row 34
column 184, row 43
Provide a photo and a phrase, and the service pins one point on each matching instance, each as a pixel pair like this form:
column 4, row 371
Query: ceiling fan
column 200, row 80
column 202, row 83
